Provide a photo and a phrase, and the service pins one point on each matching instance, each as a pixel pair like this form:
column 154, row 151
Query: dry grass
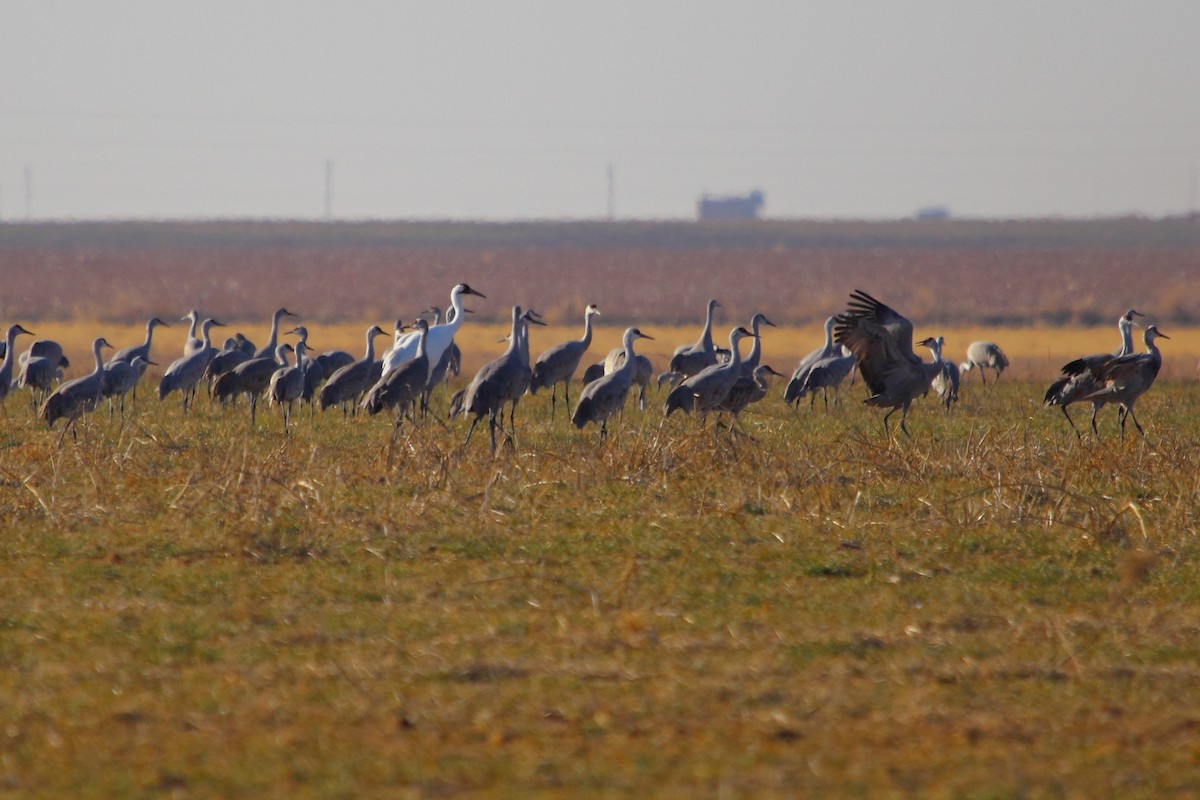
column 990, row 609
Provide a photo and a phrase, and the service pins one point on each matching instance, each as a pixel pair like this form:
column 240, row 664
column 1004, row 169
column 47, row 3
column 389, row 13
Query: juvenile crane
column 881, row 340
column 605, row 396
column 558, row 364
column 75, row 398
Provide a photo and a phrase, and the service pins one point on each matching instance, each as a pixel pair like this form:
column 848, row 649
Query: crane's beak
column 477, row 294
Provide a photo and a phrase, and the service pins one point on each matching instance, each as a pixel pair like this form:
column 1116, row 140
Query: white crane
column 439, row 337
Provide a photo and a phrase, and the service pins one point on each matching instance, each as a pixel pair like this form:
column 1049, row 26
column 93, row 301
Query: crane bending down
column 1079, row 376
column 984, row 355
column 881, row 340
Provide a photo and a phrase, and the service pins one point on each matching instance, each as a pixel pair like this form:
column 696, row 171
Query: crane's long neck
column 735, row 355
column 281, row 357
column 206, row 333
column 273, row 340
column 192, row 328
column 456, row 305
column 706, row 341
column 6, row 366
column 587, row 330
column 149, row 334
column 514, row 337
column 1126, row 328
column 422, row 335
column 628, row 365
column 828, row 334
column 96, row 354
column 370, row 356
column 755, row 349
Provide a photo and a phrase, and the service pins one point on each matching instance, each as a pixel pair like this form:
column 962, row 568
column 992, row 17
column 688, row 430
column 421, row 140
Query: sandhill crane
column 595, row 371
column 643, row 371
column 287, row 383
column 193, row 344
column 347, row 383
column 881, row 341
column 268, row 349
column 748, row 389
column 403, row 386
column 707, row 389
column 120, row 377
column 48, row 349
column 945, row 383
column 75, row 398
column 824, row 374
column 251, row 378
column 38, row 374
column 690, row 360
column 984, row 355
column 1079, row 376
column 6, row 367
column 750, row 362
column 314, row 373
column 558, row 364
column 128, row 354
column 224, row 362
column 1123, row 380
column 501, row 380
column 438, row 338
column 605, row 396
column 798, row 385
column 184, row 373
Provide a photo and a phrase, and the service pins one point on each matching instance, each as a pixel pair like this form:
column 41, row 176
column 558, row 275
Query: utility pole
column 1192, row 193
column 328, row 189
column 28, row 194
column 612, row 192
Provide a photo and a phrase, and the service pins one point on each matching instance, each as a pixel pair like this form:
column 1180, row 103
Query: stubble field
column 990, row 608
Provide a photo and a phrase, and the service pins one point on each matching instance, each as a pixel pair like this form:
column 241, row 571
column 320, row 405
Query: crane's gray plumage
column 945, row 383
column 606, row 395
column 224, row 362
column 1079, row 376
column 595, row 371
column 1123, row 380
column 128, row 354
column 268, row 349
column 558, row 364
column 251, row 378
column 38, row 374
column 314, row 371
column 707, row 389
column 799, row 385
column 882, row 343
column 287, row 382
column 347, row 383
column 403, row 386
column 501, row 380
column 985, row 355
column 747, row 389
column 120, row 377
column 193, row 344
column 825, row 374
column 643, row 371
column 184, row 373
column 691, row 360
column 6, row 367
column 76, row 397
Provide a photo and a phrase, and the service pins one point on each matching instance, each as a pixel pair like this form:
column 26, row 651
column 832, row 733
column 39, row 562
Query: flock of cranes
column 701, row 378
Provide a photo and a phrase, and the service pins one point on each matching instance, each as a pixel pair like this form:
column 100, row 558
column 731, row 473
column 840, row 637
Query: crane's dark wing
column 864, row 306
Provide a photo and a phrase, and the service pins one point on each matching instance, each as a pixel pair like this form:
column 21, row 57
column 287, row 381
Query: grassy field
column 991, row 608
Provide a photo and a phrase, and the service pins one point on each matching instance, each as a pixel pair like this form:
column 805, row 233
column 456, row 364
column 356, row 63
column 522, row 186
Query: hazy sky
column 514, row 110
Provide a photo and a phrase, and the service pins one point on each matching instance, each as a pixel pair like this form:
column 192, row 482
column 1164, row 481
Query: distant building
column 736, row 207
column 933, row 212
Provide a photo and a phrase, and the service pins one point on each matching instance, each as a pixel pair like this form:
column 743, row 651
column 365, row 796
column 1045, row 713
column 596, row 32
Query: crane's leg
column 604, row 430
column 253, row 407
column 567, row 392
column 1071, row 422
column 1135, row 421
column 493, row 424
column 1095, row 411
column 553, row 397
column 888, row 431
column 470, row 430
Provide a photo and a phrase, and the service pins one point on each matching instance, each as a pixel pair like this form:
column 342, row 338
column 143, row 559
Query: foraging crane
column 6, row 367
column 120, row 377
column 558, row 364
column 690, row 360
column 184, row 373
column 605, row 396
column 48, row 349
column 38, row 374
column 501, row 380
column 437, row 339
column 251, row 378
column 348, row 383
column 75, row 398
column 1123, row 380
column 985, row 355
column 1079, row 376
column 945, row 383
column 128, row 354
column 707, row 389
column 287, row 383
column 881, row 340
column 796, row 386
column 403, row 386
